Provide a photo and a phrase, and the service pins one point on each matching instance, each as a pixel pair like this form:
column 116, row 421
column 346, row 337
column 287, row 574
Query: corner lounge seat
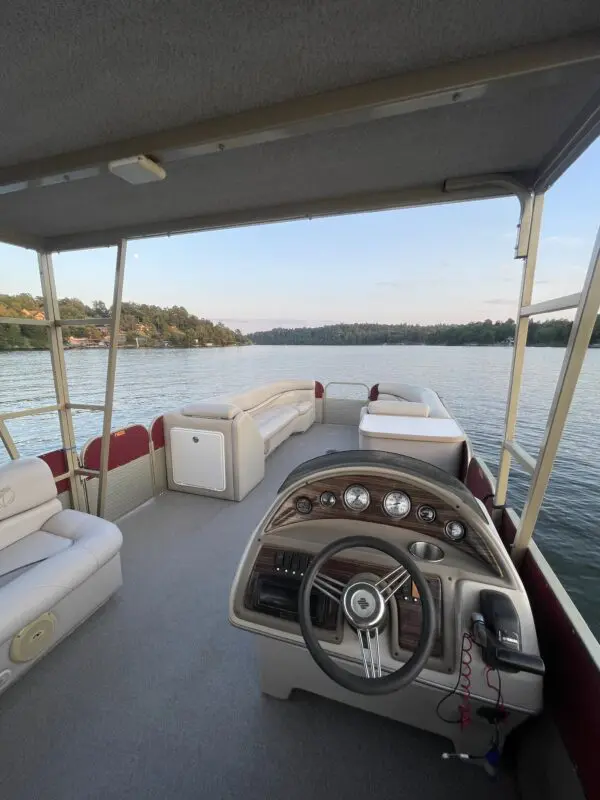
column 218, row 446
column 414, row 394
column 56, row 566
column 413, row 421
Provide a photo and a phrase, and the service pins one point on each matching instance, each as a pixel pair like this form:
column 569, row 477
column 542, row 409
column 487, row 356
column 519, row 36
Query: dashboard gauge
column 426, row 513
column 357, row 498
column 396, row 504
column 303, row 505
column 455, row 530
column 328, row 499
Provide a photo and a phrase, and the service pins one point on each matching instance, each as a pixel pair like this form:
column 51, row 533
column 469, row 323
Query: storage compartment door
column 198, row 459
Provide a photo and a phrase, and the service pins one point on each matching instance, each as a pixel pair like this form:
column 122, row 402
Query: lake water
column 472, row 380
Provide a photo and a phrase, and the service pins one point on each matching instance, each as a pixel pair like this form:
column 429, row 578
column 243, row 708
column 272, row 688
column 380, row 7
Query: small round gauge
column 357, row 498
column 328, row 499
column 426, row 513
column 396, row 504
column 455, row 530
column 303, row 505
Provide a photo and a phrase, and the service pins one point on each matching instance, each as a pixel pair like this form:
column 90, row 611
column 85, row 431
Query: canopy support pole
column 110, row 375
column 8, row 441
column 59, row 373
column 577, row 347
column 529, row 227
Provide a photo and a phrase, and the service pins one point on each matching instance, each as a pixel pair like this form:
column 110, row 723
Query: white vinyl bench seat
column 28, row 551
column 218, row 446
column 406, row 426
column 56, row 566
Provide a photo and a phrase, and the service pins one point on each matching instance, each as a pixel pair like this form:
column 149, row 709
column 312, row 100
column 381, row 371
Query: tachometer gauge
column 357, row 498
column 396, row 504
column 455, row 530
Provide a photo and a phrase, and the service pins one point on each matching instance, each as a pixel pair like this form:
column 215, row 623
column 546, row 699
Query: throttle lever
column 516, row 661
column 507, row 659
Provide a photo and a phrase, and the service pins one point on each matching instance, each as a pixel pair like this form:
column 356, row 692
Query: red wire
column 465, row 677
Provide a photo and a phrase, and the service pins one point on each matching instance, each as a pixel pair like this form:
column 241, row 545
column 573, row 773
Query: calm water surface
column 472, row 380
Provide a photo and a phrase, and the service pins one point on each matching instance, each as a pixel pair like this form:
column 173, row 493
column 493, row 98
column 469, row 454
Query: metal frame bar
column 87, row 322
column 59, row 373
column 23, row 321
column 521, row 455
column 8, row 441
column 111, row 374
column 30, row 412
column 63, row 405
column 342, row 383
column 360, row 202
column 576, row 351
column 556, row 304
column 580, row 134
column 512, row 186
column 533, row 207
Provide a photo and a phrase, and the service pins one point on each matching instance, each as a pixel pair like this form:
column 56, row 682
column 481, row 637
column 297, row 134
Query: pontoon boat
column 369, row 558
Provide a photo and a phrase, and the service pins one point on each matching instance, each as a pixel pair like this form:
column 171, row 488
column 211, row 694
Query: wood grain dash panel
column 473, row 544
column 410, row 619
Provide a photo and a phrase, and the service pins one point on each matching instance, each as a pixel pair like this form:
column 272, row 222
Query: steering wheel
column 364, row 606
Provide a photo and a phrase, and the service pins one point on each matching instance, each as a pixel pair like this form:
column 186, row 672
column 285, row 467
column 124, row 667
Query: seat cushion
column 304, row 407
column 91, row 543
column 29, row 550
column 398, row 408
column 271, row 420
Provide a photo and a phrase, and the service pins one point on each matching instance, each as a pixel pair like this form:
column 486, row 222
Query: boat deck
column 156, row 696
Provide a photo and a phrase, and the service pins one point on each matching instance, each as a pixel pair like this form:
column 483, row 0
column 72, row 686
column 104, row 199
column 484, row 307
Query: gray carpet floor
column 156, row 696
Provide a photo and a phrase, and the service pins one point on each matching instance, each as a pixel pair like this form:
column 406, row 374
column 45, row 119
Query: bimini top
column 268, row 110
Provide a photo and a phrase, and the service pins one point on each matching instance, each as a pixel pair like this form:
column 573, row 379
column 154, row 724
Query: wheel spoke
column 330, row 587
column 394, row 580
column 369, row 646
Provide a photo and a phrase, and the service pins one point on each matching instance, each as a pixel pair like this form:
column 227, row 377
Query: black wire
column 453, row 691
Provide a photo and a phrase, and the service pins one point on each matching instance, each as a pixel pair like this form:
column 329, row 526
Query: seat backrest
column 279, row 393
column 27, row 498
column 398, row 408
column 414, row 394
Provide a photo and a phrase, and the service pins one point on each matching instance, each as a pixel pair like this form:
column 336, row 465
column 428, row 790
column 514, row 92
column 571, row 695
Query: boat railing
column 327, row 397
column 586, row 303
column 63, row 406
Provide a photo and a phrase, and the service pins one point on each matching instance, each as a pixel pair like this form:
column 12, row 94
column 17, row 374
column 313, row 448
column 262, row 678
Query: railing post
column 59, row 372
column 110, row 375
column 581, row 332
column 532, row 210
column 8, row 441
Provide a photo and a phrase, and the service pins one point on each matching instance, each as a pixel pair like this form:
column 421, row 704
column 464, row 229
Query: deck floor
column 157, row 696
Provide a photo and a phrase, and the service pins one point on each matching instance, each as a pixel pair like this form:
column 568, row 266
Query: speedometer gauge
column 396, row 504
column 357, row 498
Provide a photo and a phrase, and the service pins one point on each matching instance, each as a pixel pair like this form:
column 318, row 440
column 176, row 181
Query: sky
column 451, row 263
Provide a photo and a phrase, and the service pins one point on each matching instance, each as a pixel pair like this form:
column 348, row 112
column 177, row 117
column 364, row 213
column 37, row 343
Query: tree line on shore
column 142, row 325
column 549, row 333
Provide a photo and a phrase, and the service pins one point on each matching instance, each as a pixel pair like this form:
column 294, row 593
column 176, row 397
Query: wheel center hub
column 363, row 605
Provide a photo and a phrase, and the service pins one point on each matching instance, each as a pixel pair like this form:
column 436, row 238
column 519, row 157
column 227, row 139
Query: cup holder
column 426, row 551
